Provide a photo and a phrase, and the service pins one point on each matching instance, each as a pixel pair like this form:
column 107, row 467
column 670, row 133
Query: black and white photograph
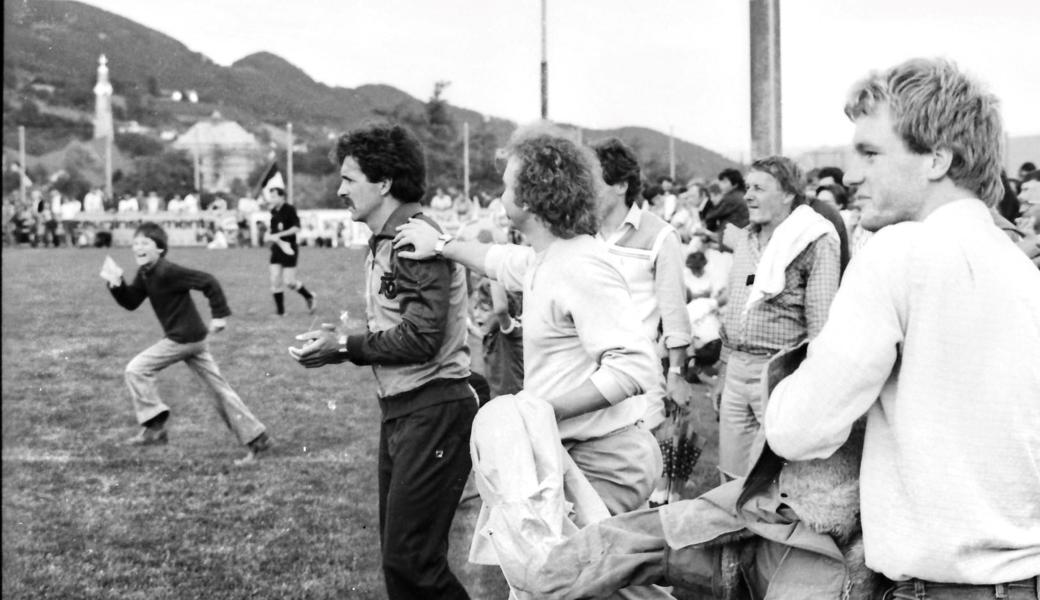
column 520, row 300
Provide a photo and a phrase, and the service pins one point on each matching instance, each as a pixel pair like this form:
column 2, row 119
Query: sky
column 678, row 66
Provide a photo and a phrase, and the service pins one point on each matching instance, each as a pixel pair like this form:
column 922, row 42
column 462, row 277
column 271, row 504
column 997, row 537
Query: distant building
column 225, row 151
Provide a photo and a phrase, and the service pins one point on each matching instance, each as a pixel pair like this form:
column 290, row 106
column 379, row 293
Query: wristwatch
column 442, row 241
column 343, row 344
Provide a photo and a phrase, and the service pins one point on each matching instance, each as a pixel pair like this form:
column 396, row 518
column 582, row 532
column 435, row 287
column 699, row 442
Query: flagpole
column 288, row 165
column 21, row 159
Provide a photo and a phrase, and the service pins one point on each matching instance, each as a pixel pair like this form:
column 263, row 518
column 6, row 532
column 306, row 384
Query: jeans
column 140, row 378
column 740, row 412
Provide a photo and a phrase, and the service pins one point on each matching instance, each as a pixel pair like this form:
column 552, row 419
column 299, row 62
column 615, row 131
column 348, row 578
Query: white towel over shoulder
column 801, row 228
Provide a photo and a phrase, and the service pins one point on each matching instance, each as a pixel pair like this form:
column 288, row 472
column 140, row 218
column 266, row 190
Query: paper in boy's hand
column 110, row 271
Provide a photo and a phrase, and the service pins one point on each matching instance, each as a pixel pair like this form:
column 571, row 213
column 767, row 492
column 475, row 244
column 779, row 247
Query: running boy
column 168, row 286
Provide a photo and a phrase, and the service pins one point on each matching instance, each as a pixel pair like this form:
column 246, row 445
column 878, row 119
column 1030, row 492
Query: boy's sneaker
column 149, row 437
column 257, row 447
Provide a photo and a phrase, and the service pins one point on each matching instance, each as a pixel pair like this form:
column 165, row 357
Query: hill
column 56, row 43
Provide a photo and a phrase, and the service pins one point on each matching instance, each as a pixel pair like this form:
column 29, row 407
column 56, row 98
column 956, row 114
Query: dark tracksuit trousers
column 423, row 465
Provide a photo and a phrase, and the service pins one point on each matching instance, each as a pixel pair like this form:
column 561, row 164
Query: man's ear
column 939, row 162
column 385, row 185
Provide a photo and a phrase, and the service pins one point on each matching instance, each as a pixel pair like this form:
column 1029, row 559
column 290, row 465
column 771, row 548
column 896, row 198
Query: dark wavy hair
column 558, row 180
column 834, row 173
column 619, row 164
column 841, row 195
column 734, row 177
column 387, row 152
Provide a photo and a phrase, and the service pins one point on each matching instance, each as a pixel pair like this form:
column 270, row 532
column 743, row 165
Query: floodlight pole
column 545, row 70
column 765, row 78
column 288, row 164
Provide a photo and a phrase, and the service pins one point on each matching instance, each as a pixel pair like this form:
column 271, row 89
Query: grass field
column 86, row 517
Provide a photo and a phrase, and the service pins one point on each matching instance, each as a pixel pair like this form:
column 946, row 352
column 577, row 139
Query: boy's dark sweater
column 169, row 286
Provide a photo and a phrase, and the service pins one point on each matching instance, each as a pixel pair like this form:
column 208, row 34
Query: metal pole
column 465, row 159
column 545, row 70
column 195, row 164
column 671, row 153
column 765, row 78
column 21, row 162
column 288, row 166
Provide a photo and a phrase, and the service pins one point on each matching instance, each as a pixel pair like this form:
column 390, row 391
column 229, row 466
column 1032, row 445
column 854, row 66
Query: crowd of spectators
column 49, row 218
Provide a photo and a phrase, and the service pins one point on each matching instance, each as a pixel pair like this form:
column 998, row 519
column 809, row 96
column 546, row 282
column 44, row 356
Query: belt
column 918, row 589
column 755, row 351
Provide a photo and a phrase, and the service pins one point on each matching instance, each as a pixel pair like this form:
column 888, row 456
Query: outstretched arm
column 423, row 236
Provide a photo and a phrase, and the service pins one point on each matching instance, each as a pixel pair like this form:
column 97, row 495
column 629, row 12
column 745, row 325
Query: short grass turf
column 87, row 517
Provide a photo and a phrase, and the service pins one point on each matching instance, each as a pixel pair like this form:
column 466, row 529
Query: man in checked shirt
column 785, row 273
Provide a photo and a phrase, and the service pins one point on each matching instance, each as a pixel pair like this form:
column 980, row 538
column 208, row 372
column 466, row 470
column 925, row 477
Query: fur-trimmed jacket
column 789, row 530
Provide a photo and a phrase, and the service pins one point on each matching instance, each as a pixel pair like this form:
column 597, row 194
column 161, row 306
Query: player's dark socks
column 279, row 302
column 303, row 292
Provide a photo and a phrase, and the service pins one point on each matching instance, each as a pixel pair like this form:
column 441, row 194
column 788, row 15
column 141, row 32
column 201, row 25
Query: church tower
column 103, row 127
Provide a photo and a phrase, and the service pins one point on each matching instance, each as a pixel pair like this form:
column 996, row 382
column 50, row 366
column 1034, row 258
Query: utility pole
column 545, row 70
column 288, row 165
column 765, row 78
column 465, row 159
column 195, row 151
column 108, row 167
column 21, row 162
column 671, row 152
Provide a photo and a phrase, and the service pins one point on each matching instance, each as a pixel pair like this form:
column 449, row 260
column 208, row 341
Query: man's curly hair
column 558, row 180
column 383, row 152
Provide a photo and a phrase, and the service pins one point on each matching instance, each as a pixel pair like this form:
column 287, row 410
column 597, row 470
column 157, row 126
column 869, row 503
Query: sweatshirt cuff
column 355, row 345
column 677, row 340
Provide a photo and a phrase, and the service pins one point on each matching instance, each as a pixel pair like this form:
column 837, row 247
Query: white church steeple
column 103, row 126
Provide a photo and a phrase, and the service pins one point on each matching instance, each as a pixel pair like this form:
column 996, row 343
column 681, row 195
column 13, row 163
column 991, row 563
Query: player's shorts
column 279, row 257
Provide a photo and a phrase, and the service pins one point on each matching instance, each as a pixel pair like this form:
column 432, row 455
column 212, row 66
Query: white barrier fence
column 319, row 227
